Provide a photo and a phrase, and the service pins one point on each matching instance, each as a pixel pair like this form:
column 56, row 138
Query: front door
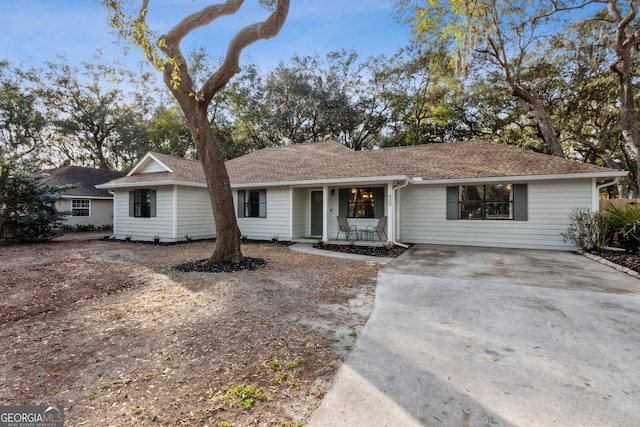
column 316, row 213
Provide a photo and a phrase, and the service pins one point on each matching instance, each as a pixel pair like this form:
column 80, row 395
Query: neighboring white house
column 462, row 193
column 85, row 203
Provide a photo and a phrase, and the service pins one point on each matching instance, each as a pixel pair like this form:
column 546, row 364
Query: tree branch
column 245, row 37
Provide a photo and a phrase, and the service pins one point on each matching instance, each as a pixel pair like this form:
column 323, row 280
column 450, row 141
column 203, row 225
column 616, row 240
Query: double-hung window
column 80, row 207
column 252, row 203
column 502, row 201
column 493, row 201
column 361, row 203
column 142, row 203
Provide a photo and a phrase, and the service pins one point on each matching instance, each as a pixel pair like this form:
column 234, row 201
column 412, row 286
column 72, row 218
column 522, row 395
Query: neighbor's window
column 494, row 201
column 142, row 203
column 252, row 203
column 80, row 207
column 361, row 203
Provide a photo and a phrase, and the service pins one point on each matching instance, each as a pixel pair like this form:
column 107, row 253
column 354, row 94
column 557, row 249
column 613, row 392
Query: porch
column 365, row 209
column 367, row 243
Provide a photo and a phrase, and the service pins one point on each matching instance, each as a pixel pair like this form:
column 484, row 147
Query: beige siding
column 145, row 229
column 101, row 212
column 423, row 218
column 195, row 215
column 277, row 224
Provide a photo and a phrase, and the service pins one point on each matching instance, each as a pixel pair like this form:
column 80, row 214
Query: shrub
column 243, row 395
column 27, row 210
column 587, row 229
column 625, row 221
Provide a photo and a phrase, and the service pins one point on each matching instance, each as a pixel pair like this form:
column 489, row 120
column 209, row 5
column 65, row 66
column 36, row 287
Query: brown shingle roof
column 329, row 160
column 302, row 162
column 477, row 159
column 184, row 170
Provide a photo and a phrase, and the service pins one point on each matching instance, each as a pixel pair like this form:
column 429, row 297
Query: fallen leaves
column 122, row 338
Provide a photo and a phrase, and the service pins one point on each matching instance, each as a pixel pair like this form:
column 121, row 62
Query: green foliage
column 243, row 395
column 22, row 124
column 94, row 120
column 275, row 364
column 27, row 210
column 587, row 229
column 625, row 220
column 310, row 99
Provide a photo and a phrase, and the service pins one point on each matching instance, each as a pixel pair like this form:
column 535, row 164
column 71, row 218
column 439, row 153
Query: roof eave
column 144, row 159
column 68, row 196
column 331, row 181
column 522, row 178
column 150, row 184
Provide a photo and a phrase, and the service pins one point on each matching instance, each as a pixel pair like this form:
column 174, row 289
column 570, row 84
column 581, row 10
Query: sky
column 35, row 31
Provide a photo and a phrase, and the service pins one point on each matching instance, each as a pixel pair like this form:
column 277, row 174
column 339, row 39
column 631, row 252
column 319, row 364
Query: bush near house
column 27, row 210
column 619, row 224
column 587, row 229
column 624, row 222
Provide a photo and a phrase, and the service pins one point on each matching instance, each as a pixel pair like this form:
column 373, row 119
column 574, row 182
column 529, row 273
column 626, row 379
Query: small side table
column 364, row 234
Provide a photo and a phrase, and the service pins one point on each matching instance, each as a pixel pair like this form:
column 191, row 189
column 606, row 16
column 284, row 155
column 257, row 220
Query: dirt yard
column 113, row 334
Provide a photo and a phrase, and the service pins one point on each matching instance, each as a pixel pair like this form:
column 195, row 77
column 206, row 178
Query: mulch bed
column 202, row 266
column 631, row 260
column 377, row 251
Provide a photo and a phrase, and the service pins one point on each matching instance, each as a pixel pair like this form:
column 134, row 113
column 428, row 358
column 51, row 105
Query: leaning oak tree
column 165, row 54
column 500, row 34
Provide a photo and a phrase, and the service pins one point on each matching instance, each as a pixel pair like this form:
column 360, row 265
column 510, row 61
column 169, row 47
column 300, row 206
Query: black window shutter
column 378, row 198
column 153, row 204
column 131, row 203
column 452, row 202
column 342, row 201
column 520, row 202
column 240, row 203
column 262, row 198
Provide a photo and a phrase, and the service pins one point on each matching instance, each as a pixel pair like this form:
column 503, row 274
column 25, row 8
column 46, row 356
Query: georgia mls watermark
column 31, row 416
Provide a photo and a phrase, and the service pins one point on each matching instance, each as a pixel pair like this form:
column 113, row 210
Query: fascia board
column 320, row 182
column 144, row 160
column 522, row 178
column 66, row 196
column 151, row 184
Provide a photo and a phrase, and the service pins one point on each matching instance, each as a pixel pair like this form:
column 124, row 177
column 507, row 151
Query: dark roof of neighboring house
column 84, row 180
column 329, row 160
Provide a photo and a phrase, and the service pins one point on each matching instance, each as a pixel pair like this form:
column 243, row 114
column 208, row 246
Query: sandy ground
column 113, row 334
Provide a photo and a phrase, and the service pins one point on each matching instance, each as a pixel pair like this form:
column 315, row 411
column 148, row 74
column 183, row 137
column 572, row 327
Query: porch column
column 391, row 213
column 325, row 213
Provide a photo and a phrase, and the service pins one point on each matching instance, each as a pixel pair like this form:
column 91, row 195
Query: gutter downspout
column 596, row 198
column 393, row 203
column 113, row 193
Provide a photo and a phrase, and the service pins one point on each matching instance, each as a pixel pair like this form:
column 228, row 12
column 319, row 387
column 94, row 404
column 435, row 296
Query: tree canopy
column 519, row 73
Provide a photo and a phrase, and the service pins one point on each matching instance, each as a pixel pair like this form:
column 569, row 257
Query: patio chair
column 377, row 229
column 344, row 227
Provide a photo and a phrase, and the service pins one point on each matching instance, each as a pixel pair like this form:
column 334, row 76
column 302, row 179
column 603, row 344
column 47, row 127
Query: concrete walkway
column 309, row 249
column 476, row 336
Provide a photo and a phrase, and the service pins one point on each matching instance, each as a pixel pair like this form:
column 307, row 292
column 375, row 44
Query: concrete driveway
column 476, row 336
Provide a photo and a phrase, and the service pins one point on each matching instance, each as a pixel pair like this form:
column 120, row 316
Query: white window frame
column 75, row 208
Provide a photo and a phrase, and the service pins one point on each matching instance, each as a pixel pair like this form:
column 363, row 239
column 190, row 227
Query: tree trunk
column 628, row 124
column 227, row 231
column 538, row 113
column 625, row 43
column 629, row 129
